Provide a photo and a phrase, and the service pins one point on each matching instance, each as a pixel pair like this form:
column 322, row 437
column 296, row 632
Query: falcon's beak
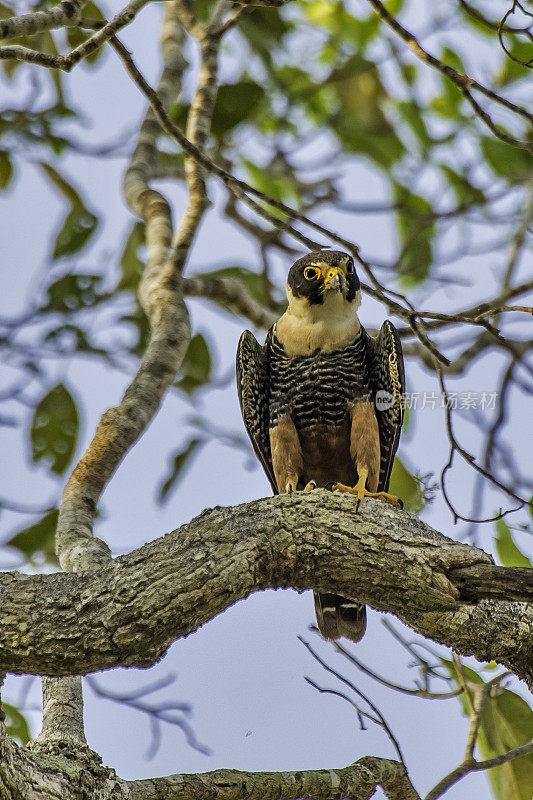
column 334, row 279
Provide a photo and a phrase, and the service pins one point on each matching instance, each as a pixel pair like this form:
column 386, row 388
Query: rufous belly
column 326, row 454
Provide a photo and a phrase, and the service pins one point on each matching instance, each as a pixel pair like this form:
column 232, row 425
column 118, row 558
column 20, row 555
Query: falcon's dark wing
column 387, row 378
column 253, row 390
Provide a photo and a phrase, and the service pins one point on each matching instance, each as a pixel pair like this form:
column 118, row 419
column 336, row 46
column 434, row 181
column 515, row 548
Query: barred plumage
column 315, row 389
column 312, row 412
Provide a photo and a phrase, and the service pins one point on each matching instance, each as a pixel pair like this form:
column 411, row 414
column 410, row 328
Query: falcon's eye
column 350, row 269
column 311, row 273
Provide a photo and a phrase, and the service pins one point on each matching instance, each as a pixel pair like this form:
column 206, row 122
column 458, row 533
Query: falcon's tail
column 337, row 616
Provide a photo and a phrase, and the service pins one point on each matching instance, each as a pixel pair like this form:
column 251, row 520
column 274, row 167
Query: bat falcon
column 321, row 400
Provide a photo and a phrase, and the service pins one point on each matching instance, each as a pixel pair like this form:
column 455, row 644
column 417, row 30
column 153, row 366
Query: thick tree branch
column 356, row 782
column 76, row 548
column 487, row 580
column 68, row 61
column 129, row 612
column 66, row 13
column 77, row 772
column 197, row 132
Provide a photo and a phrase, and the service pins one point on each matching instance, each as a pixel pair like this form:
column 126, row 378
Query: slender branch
column 197, row 132
column 478, row 311
column 66, row 13
column 463, row 82
column 231, row 293
column 380, row 719
column 466, row 456
column 476, row 766
column 418, row 692
column 67, row 62
column 160, row 295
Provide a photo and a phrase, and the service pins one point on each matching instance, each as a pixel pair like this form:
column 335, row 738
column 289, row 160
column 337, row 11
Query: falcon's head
column 324, row 277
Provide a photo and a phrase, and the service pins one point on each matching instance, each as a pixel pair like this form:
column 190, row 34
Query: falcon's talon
column 387, row 498
column 310, row 486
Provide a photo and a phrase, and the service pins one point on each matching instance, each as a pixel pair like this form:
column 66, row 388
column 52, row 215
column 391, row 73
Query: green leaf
column 405, row 486
column 196, row 366
column 74, row 292
column 508, row 552
column 506, row 722
column 178, row 464
column 476, row 22
column 54, row 429
column 78, row 226
column 512, row 163
column 359, row 121
column 16, row 724
column 279, row 187
column 61, row 183
column 511, row 70
column 38, row 539
column 411, row 112
column 464, row 191
column 342, row 26
column 416, row 229
column 235, row 103
column 265, row 31
column 131, row 264
column 6, row 169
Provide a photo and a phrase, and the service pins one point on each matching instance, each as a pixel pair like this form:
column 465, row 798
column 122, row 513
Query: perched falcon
column 321, row 401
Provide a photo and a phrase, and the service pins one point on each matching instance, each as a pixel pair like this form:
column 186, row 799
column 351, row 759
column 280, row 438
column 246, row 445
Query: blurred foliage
column 16, row 723
column 179, row 462
column 407, row 487
column 196, row 365
column 506, row 722
column 36, row 542
column 54, row 429
column 310, row 68
column 314, row 90
column 79, row 224
column 508, row 553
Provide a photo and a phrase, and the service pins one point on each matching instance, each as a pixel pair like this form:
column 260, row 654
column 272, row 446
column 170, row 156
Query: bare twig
column 360, row 694
column 477, row 766
column 464, row 82
column 165, row 711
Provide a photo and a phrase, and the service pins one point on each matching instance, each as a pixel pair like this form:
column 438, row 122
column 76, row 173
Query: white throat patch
column 327, row 326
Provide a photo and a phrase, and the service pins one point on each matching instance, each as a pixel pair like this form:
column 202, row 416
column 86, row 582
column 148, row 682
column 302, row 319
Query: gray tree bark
column 127, row 613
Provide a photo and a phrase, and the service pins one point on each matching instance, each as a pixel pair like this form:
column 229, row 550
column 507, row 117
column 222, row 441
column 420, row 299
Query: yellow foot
column 310, row 486
column 361, row 491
